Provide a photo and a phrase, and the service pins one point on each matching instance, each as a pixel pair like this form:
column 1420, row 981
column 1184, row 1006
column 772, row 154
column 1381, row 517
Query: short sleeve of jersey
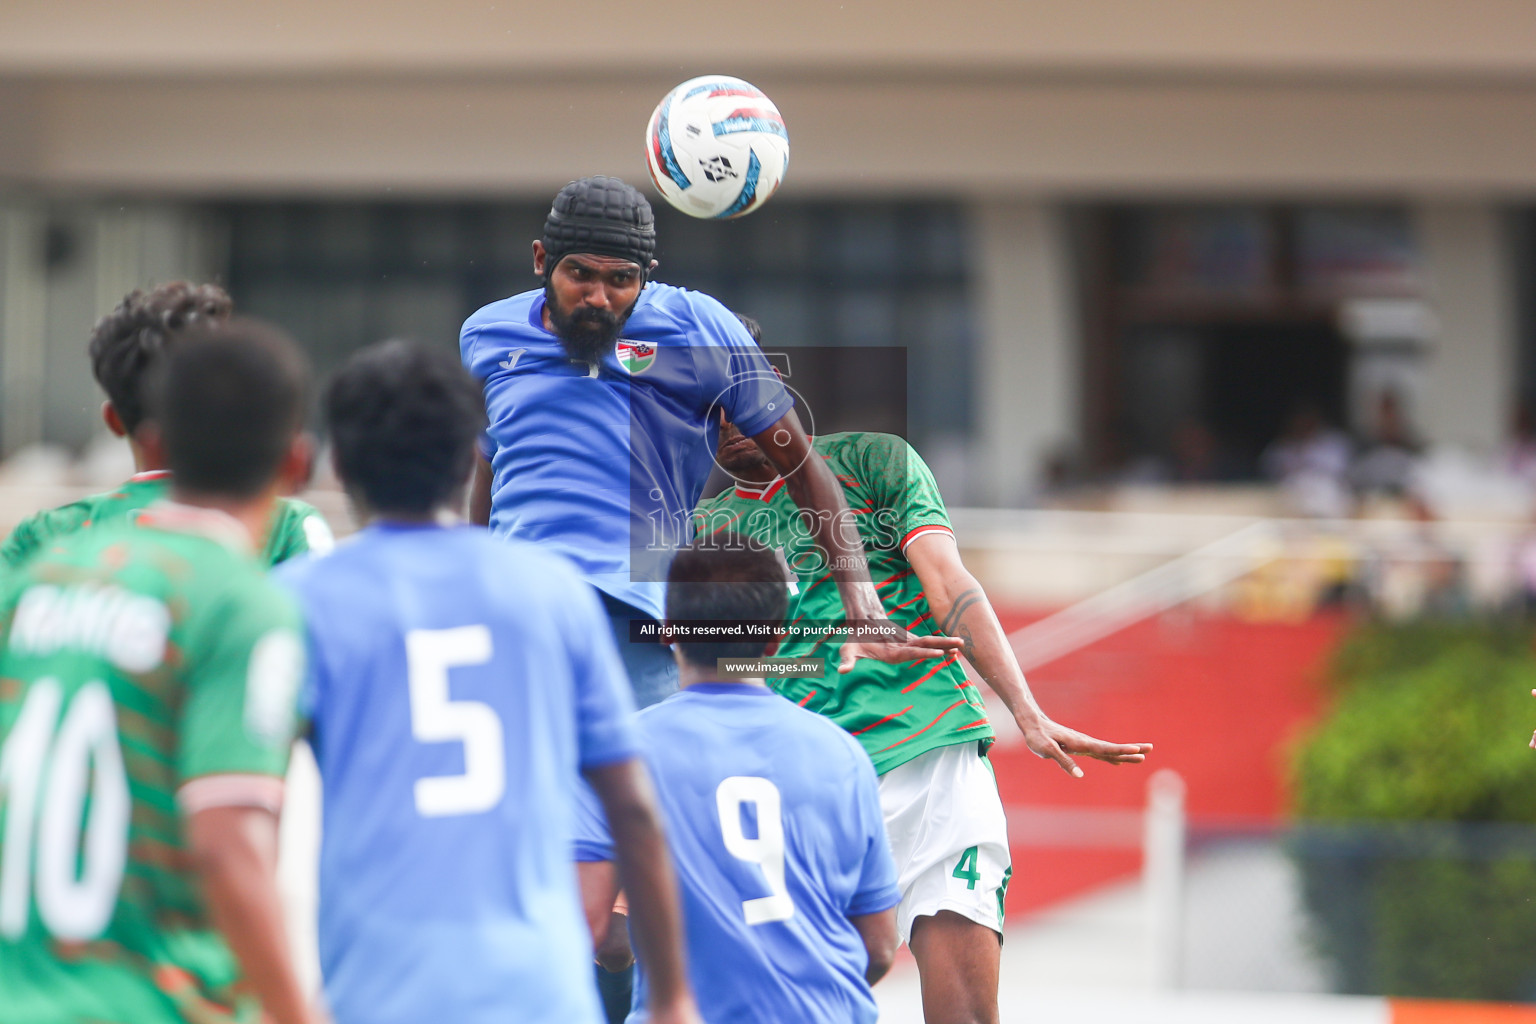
column 469, row 337
column 245, row 660
column 19, row 545
column 903, row 483
column 297, row 528
column 605, row 707
column 593, row 840
column 33, row 532
column 877, row 889
column 737, row 371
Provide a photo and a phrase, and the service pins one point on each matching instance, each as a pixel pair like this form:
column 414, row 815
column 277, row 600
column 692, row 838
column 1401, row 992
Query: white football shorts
column 949, row 836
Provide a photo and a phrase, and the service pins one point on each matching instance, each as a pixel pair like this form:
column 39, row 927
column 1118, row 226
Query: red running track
column 1220, row 698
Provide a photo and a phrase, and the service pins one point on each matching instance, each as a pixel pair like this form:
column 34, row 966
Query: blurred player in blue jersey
column 600, row 441
column 773, row 817
column 458, row 684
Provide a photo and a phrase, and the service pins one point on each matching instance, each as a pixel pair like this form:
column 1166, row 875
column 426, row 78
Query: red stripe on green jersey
column 890, row 717
column 930, row 725
column 960, row 684
column 893, row 500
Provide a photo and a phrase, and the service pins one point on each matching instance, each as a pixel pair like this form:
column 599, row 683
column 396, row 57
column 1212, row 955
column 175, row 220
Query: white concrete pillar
column 23, row 326
column 1027, row 388
column 1470, row 386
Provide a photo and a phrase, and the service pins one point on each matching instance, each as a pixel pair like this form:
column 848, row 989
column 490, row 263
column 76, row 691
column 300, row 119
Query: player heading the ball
column 460, row 683
column 602, row 389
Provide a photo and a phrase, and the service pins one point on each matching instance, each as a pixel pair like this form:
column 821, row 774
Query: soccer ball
column 717, row 147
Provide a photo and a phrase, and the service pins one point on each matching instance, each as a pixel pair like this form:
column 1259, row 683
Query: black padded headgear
column 603, row 216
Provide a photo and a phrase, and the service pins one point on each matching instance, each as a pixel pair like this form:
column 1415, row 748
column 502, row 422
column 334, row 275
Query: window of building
column 1209, row 326
column 830, row 279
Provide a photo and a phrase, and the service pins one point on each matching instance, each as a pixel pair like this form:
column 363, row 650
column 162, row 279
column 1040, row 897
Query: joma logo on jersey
column 635, row 356
column 127, row 629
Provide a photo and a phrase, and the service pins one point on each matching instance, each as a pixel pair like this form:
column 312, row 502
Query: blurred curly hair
column 403, row 419
column 126, row 342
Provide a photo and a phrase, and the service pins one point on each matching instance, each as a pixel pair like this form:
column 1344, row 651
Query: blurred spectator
column 37, row 465
column 1061, row 473
column 1445, row 573
column 1517, row 456
column 1311, row 462
column 1419, row 575
column 1197, row 456
column 1524, row 556
column 1386, row 466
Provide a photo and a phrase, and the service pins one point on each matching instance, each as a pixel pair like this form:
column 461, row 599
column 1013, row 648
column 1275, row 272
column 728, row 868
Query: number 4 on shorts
column 966, row 870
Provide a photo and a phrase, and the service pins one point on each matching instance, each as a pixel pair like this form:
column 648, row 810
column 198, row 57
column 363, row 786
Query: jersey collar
column 744, row 689
column 762, row 493
column 768, row 490
column 222, row 527
column 536, row 316
column 150, row 474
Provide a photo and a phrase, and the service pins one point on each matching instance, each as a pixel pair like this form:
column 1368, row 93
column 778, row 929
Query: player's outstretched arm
column 235, row 852
column 880, row 940
column 817, row 491
column 645, row 871
column 960, row 607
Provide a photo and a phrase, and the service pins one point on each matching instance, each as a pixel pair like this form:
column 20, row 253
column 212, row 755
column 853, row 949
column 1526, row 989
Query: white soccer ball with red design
column 717, row 147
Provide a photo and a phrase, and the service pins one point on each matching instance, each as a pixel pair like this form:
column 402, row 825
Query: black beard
column 588, row 333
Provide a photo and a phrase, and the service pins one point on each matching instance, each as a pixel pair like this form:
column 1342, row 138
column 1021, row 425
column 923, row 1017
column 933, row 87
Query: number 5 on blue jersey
column 435, row 718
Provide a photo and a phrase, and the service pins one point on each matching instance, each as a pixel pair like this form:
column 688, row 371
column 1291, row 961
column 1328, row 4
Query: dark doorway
column 1207, row 325
column 1202, row 401
column 1258, row 374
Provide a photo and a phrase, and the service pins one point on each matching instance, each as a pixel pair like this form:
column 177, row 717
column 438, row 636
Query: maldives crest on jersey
column 635, row 356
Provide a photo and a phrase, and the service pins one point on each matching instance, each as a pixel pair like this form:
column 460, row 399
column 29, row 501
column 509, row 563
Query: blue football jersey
column 773, row 820
column 459, row 682
column 605, row 464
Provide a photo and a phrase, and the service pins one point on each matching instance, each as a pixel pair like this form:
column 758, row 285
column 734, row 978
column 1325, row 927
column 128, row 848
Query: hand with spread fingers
column 1058, row 743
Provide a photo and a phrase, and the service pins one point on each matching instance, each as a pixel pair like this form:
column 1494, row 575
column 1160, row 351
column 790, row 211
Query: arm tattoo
column 969, row 650
column 957, row 610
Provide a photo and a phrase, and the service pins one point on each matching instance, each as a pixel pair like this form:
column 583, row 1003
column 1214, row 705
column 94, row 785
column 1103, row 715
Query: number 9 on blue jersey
column 766, row 851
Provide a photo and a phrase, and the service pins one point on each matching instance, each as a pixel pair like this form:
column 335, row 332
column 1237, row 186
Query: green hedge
column 1429, row 725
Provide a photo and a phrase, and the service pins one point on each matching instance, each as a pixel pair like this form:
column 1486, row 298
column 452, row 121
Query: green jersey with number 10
column 897, row 711
column 145, row 671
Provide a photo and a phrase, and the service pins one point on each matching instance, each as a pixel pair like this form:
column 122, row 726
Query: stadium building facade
column 1089, row 224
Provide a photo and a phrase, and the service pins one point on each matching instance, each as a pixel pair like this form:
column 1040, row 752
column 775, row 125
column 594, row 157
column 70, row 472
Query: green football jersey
column 146, row 670
column 296, row 526
column 897, row 711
